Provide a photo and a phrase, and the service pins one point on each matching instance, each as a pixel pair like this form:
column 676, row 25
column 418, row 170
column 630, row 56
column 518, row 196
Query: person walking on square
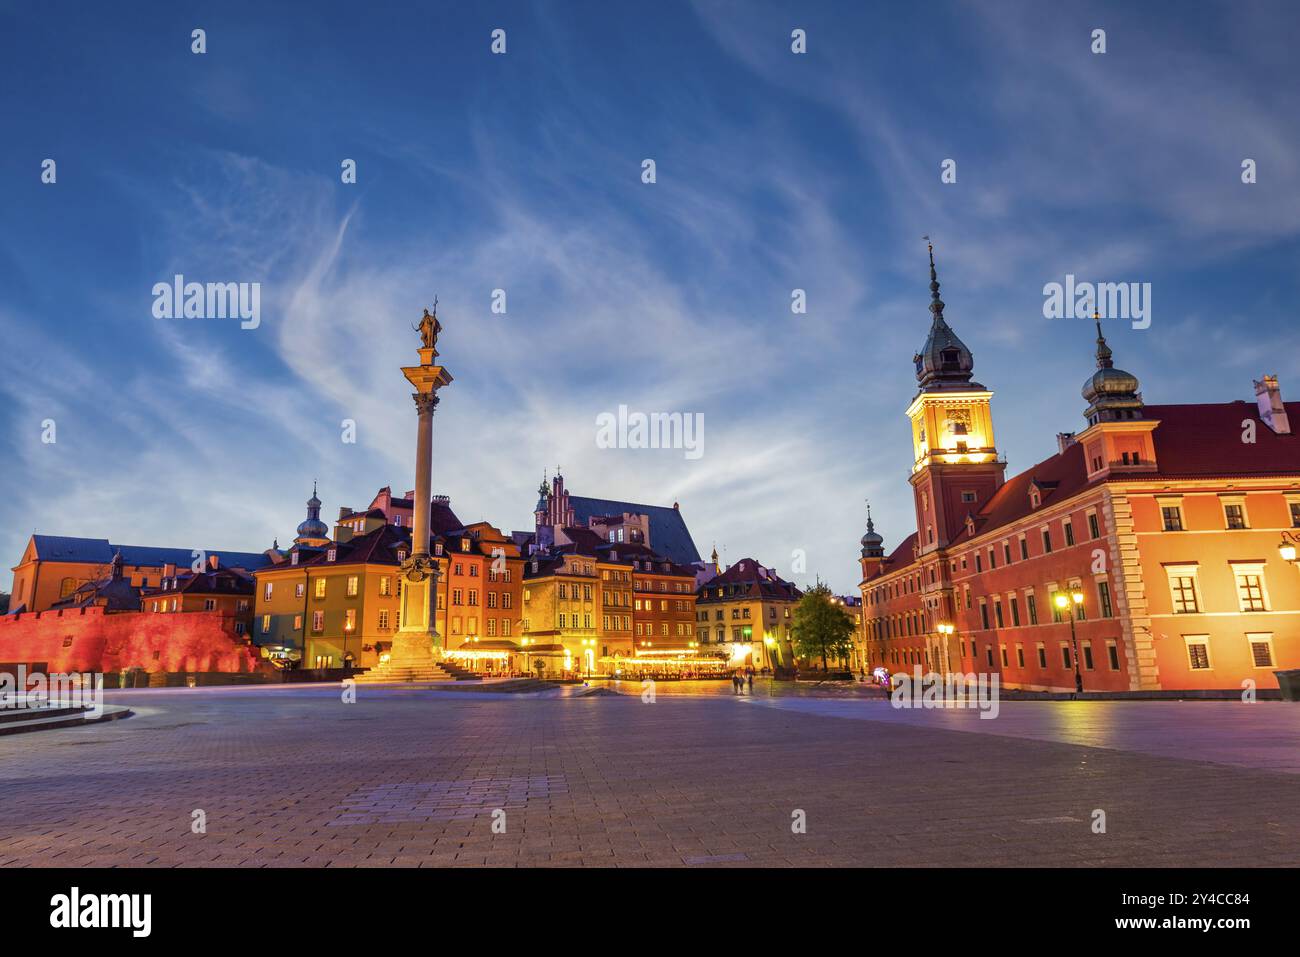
column 735, row 682
column 749, row 678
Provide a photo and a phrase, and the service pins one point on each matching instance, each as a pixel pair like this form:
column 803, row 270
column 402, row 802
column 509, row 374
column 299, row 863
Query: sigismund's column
column 416, row 644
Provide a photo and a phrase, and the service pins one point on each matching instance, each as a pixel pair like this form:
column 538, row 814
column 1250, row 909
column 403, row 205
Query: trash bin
column 1289, row 683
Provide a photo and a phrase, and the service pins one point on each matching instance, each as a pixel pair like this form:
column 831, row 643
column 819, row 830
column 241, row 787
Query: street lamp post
column 1070, row 601
column 946, row 629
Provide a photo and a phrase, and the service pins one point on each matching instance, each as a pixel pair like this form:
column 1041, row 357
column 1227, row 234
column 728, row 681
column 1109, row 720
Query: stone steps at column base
column 414, row 671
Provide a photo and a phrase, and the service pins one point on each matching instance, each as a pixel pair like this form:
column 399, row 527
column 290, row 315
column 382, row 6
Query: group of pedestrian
column 739, row 679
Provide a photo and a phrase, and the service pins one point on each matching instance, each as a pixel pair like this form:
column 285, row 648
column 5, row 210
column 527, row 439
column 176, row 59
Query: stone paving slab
column 691, row 781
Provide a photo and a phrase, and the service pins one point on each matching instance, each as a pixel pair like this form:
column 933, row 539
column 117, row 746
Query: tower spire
column 1104, row 355
column 936, row 304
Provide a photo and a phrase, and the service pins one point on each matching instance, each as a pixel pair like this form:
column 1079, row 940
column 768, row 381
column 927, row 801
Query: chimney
column 169, row 570
column 1271, row 409
column 410, row 494
column 1063, row 441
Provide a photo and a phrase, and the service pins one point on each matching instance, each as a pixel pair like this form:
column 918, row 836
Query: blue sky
column 476, row 171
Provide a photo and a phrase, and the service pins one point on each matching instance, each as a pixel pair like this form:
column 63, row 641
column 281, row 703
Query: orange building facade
column 1146, row 554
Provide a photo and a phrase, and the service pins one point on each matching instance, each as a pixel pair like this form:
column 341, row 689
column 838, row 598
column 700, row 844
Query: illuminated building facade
column 746, row 613
column 1149, row 553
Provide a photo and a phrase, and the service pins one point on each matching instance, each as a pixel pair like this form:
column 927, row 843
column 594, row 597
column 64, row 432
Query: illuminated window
column 1182, row 589
column 1251, row 594
column 320, row 588
column 352, row 586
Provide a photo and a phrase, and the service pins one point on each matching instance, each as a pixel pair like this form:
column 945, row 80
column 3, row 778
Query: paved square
column 291, row 776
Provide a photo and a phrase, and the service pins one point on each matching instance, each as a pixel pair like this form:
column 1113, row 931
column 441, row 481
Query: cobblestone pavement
column 292, row 777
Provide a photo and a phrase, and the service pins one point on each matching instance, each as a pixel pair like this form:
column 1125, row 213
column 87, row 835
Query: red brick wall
column 193, row 641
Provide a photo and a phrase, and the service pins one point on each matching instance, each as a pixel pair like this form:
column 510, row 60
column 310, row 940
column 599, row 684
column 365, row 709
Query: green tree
column 821, row 627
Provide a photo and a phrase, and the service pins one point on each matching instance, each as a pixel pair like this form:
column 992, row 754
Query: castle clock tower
column 956, row 467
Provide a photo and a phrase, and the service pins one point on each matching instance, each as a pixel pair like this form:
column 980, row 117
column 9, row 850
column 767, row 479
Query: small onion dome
column 1111, row 393
column 313, row 528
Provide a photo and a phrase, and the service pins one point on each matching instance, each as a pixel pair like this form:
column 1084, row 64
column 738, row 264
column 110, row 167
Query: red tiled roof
column 1205, row 440
column 1059, row 477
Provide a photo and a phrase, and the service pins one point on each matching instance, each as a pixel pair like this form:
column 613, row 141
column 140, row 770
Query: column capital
column 425, row 402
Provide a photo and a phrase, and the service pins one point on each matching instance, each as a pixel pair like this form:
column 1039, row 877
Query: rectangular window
column 385, row 586
column 1093, row 530
column 1261, row 650
column 1112, row 652
column 1234, row 515
column 1250, row 587
column 383, row 619
column 266, row 592
column 1103, row 599
column 352, row 586
column 988, row 653
column 266, row 624
column 1295, row 514
column 979, row 563
column 1024, row 548
column 320, row 588
column 1182, row 588
column 1172, row 516
column 1047, row 541
column 1015, row 611
column 209, row 604
column 1042, row 656
column 1020, row 656
column 1065, row 656
column 1069, row 533
column 1087, row 655
column 1198, row 652
column 997, row 613
column 318, row 621
column 984, row 616
column 350, row 622
column 299, row 590
column 1031, row 606
column 1006, row 553
column 1005, row 661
